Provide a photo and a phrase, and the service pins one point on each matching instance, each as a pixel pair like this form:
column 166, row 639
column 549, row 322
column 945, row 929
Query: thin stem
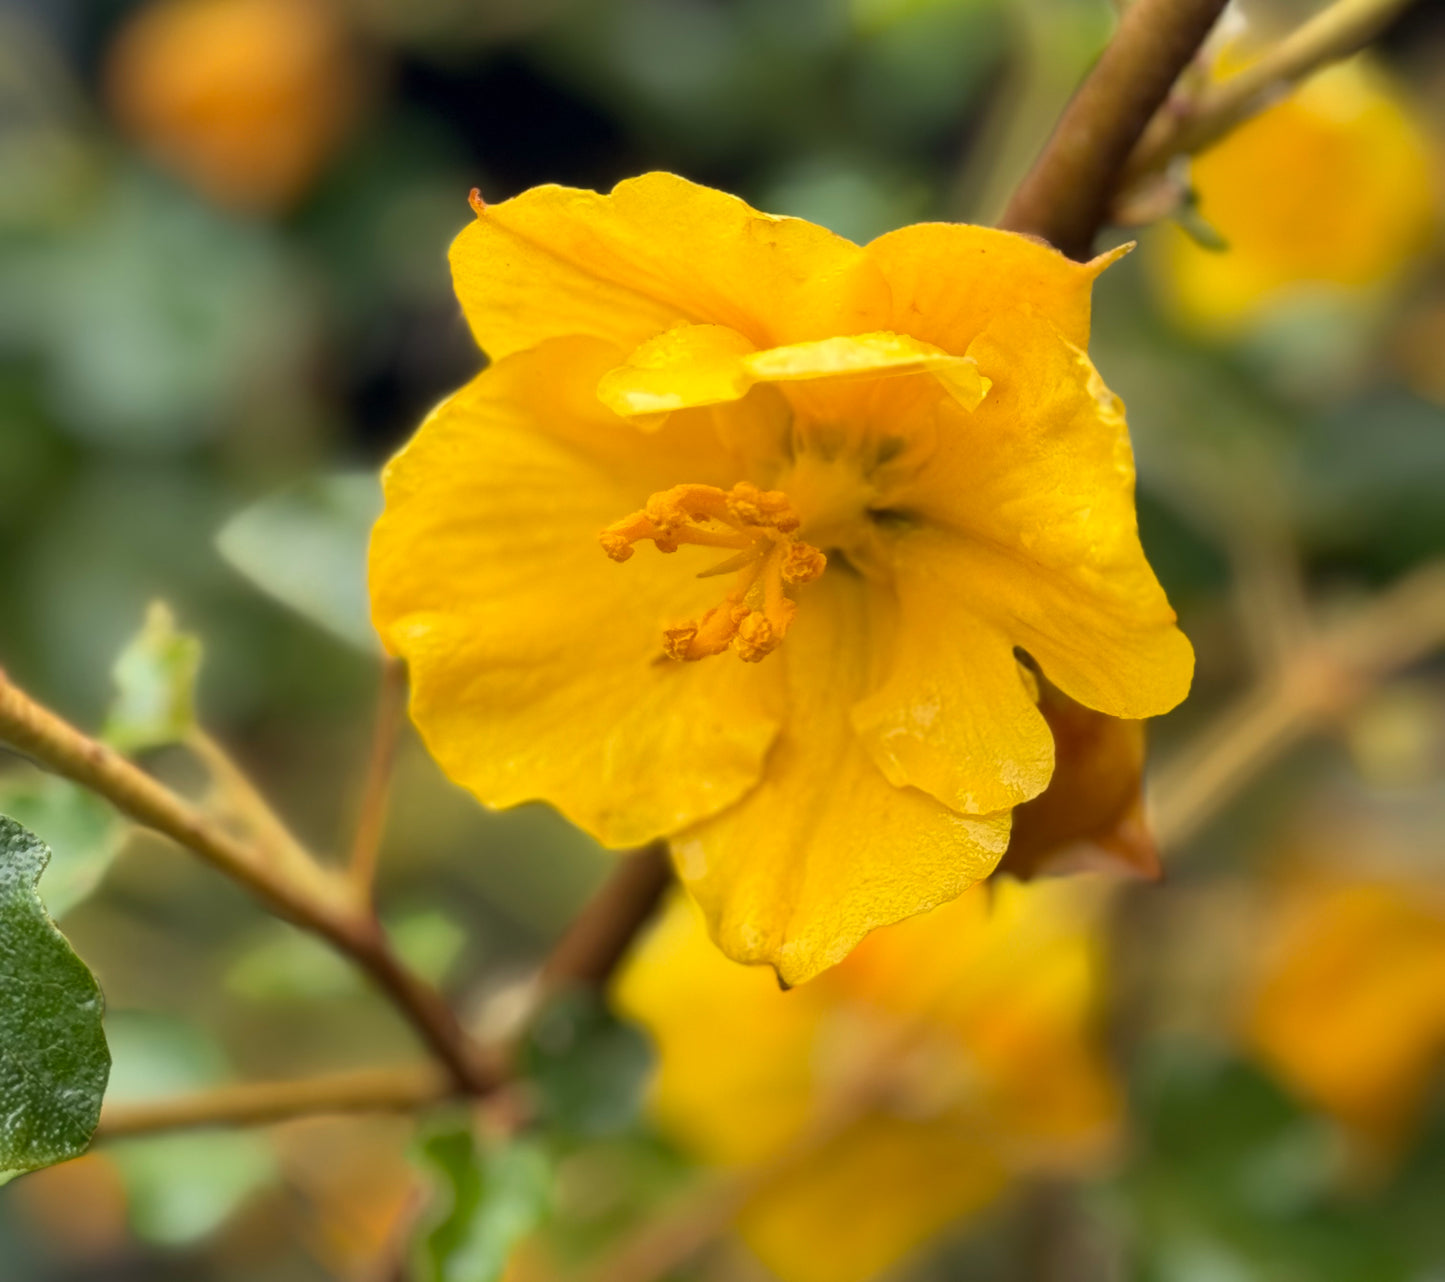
column 299, row 890
column 60, row 747
column 379, row 1090
column 586, row 954
column 600, row 934
column 1325, row 679
column 376, row 793
column 244, row 801
column 1065, row 197
column 1193, row 125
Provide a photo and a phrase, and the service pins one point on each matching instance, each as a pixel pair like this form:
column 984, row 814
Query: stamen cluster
column 761, row 527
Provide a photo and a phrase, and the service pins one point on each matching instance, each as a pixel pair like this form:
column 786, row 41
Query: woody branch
column 296, row 887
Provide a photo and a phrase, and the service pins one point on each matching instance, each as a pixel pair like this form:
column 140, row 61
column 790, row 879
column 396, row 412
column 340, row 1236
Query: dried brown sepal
column 1091, row 816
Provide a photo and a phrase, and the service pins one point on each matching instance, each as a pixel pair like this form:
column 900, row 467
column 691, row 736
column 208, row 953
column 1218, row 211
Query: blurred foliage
column 179, row 1188
column 307, row 548
column 587, row 1067
column 197, row 384
column 486, row 1201
column 84, row 834
column 155, row 680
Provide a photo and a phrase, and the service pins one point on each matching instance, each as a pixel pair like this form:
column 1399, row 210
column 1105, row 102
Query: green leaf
column 83, row 832
column 155, row 683
column 306, row 546
column 179, row 1188
column 53, row 1058
column 588, row 1068
column 1198, row 228
column 282, row 964
column 1231, row 1178
column 485, row 1202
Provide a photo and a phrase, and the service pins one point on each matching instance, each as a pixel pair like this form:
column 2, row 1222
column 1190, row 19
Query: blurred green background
column 209, row 347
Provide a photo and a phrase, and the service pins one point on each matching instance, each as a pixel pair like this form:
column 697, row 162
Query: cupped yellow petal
column 956, row 716
column 536, row 667
column 655, row 252
column 952, row 280
column 1027, row 511
column 710, row 364
column 825, row 849
column 685, row 366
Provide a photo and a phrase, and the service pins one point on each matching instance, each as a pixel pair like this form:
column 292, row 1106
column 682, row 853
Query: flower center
column 759, row 527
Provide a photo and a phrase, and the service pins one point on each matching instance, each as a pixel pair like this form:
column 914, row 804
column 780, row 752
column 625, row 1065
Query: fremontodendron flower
column 905, row 1089
column 837, row 491
column 1324, row 198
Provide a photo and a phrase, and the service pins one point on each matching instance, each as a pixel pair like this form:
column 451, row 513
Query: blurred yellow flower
column 1328, row 192
column 1350, row 1005
column 244, row 99
column 900, row 1092
column 884, row 469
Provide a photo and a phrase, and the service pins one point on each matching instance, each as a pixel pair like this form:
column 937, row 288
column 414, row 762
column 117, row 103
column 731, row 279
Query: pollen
column 769, row 559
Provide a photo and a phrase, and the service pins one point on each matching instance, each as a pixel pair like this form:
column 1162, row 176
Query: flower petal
column 951, row 280
column 825, row 849
column 736, row 1080
column 534, row 659
column 743, row 1075
column 657, row 251
column 709, row 364
column 1034, row 492
column 955, row 716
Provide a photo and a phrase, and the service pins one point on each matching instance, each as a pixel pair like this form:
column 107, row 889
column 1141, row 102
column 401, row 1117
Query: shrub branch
column 1066, row 196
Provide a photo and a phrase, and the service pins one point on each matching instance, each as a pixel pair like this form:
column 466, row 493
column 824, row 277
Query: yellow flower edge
column 899, row 1093
column 736, row 540
column 1328, row 194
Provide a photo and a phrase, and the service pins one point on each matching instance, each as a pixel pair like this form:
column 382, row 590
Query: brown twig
column 1193, row 125
column 1065, row 197
column 1327, row 677
column 382, row 1090
column 376, row 793
column 599, row 935
column 587, row 954
column 236, row 794
column 294, row 887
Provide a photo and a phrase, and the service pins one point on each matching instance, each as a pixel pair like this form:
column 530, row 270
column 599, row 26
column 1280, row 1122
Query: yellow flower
column 242, row 98
column 880, row 469
column 901, row 1091
column 1328, row 193
column 1350, row 1004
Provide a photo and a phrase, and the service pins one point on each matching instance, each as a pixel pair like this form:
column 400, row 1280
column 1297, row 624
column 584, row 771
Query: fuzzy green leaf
column 588, row 1068
column 53, row 1058
column 83, row 832
column 486, row 1201
column 155, row 682
column 306, row 546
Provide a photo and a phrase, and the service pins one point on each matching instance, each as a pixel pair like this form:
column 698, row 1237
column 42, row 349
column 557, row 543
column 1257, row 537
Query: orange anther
column 758, row 526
